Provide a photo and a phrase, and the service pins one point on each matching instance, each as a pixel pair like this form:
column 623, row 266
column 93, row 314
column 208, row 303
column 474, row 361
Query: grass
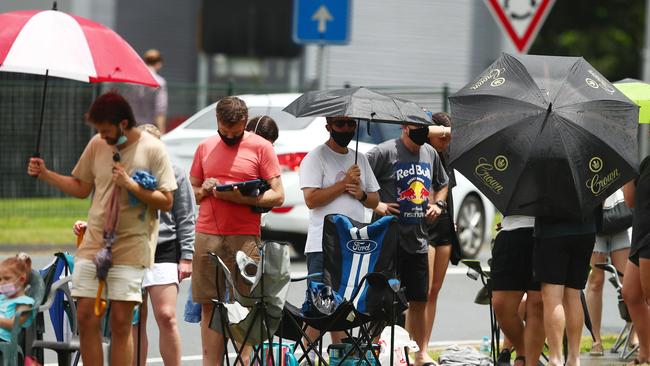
column 40, row 220
column 585, row 345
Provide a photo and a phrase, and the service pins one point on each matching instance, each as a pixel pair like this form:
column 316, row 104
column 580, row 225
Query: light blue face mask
column 121, row 140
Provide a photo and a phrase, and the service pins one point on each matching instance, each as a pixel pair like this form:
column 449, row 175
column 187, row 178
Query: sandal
column 596, row 350
column 519, row 358
column 504, row 357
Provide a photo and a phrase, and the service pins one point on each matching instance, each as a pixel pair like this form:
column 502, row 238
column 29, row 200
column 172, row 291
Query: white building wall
column 420, row 43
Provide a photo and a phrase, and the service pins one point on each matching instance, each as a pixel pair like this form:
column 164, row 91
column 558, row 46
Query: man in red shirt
column 226, row 222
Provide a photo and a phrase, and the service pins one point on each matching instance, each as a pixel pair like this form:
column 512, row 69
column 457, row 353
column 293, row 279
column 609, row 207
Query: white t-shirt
column 321, row 168
column 514, row 222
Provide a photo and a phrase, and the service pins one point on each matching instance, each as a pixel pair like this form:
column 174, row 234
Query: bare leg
column 554, row 321
column 163, row 302
column 211, row 341
column 534, row 330
column 415, row 318
column 575, row 320
column 144, row 340
column 90, row 336
column 438, row 263
column 506, row 305
column 594, row 294
column 121, row 340
column 639, row 311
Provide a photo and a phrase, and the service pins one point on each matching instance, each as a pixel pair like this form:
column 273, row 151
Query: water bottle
column 485, row 345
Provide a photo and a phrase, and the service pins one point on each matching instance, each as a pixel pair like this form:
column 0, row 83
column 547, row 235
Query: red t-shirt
column 252, row 158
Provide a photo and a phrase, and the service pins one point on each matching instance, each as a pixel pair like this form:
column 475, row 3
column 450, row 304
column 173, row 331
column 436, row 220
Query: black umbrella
column 359, row 103
column 544, row 135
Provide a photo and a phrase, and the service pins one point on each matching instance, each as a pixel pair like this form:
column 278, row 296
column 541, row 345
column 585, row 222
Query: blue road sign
column 321, row 21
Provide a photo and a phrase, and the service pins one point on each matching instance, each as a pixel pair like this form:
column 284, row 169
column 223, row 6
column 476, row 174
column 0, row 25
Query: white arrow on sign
column 322, row 16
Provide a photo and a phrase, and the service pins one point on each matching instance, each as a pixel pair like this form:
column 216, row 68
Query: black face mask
column 231, row 141
column 342, row 138
column 419, row 135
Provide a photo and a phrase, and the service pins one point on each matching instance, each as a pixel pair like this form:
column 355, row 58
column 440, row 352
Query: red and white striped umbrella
column 57, row 44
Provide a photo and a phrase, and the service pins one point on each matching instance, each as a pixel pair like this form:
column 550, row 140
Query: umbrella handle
column 100, row 304
column 80, row 237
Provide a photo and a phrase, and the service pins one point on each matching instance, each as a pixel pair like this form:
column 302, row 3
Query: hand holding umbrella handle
column 100, row 304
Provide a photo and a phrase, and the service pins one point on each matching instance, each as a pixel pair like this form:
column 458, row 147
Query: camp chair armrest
column 61, row 284
column 375, row 277
column 309, row 276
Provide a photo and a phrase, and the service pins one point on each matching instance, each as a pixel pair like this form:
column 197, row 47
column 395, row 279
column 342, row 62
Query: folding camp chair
column 624, row 338
column 11, row 350
column 63, row 347
column 358, row 265
column 253, row 318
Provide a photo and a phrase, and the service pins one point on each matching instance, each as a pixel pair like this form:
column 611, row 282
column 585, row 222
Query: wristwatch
column 364, row 197
column 442, row 204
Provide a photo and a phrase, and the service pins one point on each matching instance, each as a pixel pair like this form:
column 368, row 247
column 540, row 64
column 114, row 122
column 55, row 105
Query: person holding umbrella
column 332, row 182
column 636, row 282
column 413, row 187
column 132, row 252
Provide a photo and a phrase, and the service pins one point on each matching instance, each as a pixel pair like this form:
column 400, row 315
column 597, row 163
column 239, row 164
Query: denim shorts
column 611, row 243
column 315, row 265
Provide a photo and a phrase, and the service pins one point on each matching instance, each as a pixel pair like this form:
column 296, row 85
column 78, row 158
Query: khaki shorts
column 124, row 283
column 209, row 283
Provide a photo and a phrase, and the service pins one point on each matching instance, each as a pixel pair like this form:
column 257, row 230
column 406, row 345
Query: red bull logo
column 417, row 193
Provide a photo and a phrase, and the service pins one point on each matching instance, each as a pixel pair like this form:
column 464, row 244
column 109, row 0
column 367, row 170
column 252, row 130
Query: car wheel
column 471, row 226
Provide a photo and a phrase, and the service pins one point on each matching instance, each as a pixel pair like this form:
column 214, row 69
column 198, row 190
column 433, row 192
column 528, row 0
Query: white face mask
column 8, row 289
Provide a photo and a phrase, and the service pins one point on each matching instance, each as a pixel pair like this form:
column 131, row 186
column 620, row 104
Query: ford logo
column 361, row 246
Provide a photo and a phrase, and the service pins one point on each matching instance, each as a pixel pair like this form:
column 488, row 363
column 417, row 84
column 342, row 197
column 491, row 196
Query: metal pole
column 322, row 83
column 202, row 77
column 445, row 97
column 644, row 129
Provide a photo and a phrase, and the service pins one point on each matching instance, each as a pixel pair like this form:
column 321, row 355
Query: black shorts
column 563, row 260
column 643, row 252
column 413, row 272
column 512, row 261
column 440, row 231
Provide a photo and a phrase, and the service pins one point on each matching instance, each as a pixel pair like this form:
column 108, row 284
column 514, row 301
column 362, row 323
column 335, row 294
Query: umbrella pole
column 37, row 154
column 356, row 147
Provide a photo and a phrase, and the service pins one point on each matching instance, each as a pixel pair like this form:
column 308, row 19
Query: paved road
column 458, row 319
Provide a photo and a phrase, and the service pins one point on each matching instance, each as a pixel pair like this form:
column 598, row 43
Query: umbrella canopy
column 68, row 46
column 639, row 93
column 544, row 136
column 359, row 103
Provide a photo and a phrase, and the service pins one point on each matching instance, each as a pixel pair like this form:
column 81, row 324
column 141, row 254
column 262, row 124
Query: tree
column 609, row 34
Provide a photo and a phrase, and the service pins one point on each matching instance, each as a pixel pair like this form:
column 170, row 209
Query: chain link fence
column 65, row 133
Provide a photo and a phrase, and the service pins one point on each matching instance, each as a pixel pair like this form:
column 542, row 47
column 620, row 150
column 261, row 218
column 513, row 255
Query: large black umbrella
column 544, row 135
column 359, row 103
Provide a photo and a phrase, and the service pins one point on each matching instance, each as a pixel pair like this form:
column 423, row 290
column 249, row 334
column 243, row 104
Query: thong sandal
column 519, row 358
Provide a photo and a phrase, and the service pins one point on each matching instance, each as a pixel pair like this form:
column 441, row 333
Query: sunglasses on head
column 342, row 122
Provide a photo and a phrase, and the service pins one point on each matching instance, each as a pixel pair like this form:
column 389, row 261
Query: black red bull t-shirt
column 410, row 180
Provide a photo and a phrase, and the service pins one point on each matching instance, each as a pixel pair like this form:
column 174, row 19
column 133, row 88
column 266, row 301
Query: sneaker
column 596, row 350
column 504, row 357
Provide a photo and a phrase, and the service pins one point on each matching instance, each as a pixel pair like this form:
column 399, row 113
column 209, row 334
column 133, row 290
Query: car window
column 379, row 132
column 284, row 120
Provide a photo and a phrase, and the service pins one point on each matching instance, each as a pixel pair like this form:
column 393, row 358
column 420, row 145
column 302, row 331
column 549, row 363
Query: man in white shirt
column 332, row 183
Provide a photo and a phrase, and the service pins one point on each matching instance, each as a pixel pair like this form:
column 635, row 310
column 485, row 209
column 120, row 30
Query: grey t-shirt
column 408, row 179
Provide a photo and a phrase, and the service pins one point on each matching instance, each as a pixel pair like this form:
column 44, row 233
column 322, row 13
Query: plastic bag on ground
column 455, row 355
column 402, row 339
